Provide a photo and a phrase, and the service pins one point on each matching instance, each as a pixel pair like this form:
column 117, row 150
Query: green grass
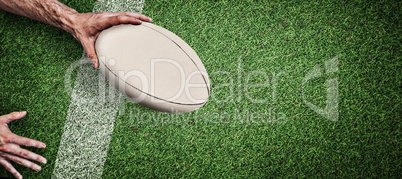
column 218, row 140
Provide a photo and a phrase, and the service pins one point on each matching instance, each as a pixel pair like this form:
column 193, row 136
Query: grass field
column 242, row 44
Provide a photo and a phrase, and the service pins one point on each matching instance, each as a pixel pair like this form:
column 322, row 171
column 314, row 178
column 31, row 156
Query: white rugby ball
column 153, row 67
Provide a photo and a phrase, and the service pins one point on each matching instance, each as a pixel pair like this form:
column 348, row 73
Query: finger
column 137, row 16
column 16, row 150
column 107, row 19
column 10, row 168
column 89, row 47
column 145, row 18
column 122, row 19
column 25, row 141
column 22, row 161
column 12, row 116
column 130, row 14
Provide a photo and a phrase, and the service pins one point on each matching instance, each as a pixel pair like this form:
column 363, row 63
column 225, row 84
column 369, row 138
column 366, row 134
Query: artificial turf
column 242, row 44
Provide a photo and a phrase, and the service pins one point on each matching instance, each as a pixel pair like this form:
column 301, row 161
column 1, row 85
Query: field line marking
column 91, row 115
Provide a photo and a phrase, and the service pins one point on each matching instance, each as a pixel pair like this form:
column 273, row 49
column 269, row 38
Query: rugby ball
column 153, row 67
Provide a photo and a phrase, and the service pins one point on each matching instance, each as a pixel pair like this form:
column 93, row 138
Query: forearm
column 51, row 12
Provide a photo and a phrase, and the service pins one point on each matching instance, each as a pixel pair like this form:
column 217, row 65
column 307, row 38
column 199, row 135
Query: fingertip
column 145, row 18
column 17, row 175
column 22, row 113
column 17, row 115
column 137, row 21
column 96, row 64
column 94, row 60
column 44, row 161
column 37, row 168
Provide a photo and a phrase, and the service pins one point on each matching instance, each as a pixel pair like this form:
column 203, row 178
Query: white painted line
column 94, row 105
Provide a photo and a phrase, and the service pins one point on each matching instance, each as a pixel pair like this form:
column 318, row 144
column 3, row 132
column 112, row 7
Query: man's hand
column 86, row 27
column 10, row 149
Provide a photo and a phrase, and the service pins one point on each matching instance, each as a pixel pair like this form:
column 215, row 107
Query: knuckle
column 98, row 16
column 91, row 56
column 4, row 140
column 19, row 162
column 125, row 13
column 23, row 154
column 120, row 18
column 103, row 14
column 8, row 139
column 5, row 148
column 14, row 114
column 15, row 173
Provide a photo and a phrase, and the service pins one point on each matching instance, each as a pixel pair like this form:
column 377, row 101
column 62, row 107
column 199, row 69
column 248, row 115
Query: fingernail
column 42, row 145
column 150, row 19
column 20, row 114
column 44, row 161
column 37, row 168
column 94, row 64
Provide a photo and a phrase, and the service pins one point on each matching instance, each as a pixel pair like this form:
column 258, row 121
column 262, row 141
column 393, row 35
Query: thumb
column 12, row 117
